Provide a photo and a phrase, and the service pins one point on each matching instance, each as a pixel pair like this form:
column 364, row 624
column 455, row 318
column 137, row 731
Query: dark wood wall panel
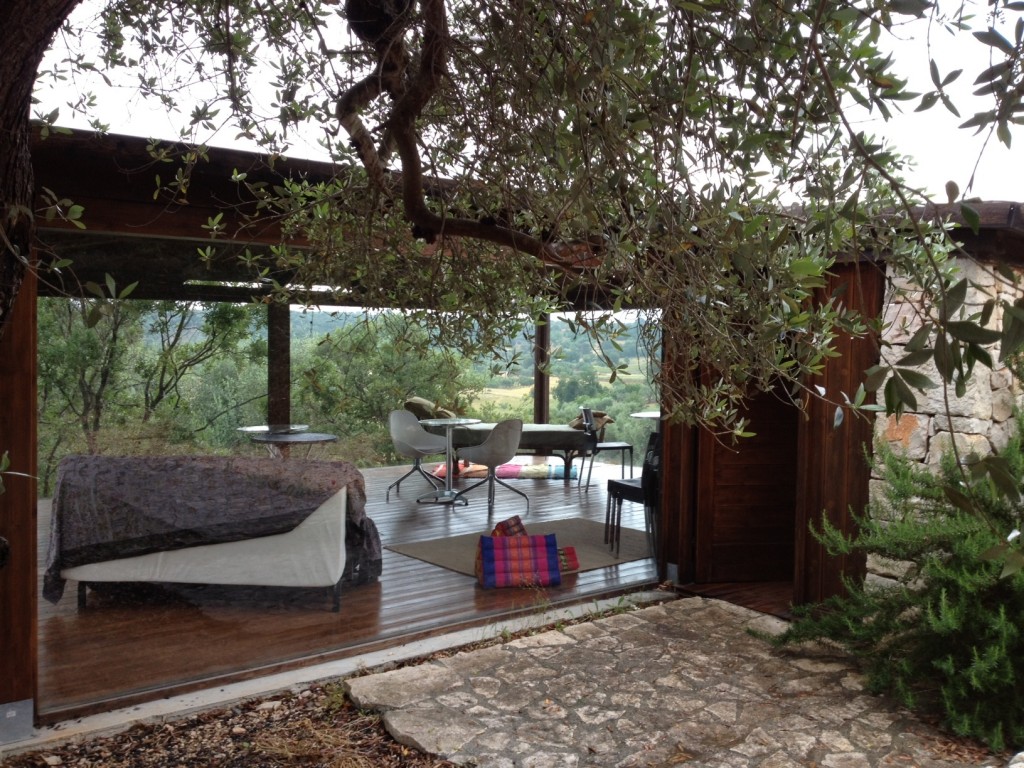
column 755, row 521
column 746, row 497
column 766, row 492
column 757, row 470
column 834, row 472
column 738, row 516
column 18, row 503
column 771, row 563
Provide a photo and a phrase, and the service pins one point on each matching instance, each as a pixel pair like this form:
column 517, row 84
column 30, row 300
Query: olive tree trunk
column 28, row 29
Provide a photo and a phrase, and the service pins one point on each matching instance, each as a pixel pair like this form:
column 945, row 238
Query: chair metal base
column 442, row 496
column 491, row 479
column 417, row 466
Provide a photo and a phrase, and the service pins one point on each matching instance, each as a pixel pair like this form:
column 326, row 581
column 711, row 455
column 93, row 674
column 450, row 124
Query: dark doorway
column 746, row 494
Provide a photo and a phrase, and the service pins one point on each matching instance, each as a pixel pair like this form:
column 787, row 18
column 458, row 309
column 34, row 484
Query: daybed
column 540, row 439
column 210, row 520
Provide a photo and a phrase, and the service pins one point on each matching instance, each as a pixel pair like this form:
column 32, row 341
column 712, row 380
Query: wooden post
column 279, row 364
column 677, row 511
column 18, row 653
column 541, row 380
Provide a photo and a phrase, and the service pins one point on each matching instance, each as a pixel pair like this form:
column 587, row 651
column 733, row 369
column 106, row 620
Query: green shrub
column 948, row 636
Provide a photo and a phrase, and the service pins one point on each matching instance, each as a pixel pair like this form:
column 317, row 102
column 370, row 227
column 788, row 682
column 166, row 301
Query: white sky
column 942, row 151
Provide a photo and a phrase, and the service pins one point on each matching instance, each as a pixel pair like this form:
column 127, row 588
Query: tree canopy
column 498, row 160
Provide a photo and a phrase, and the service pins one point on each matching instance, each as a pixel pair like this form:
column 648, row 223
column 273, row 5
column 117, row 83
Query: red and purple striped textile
column 511, row 527
column 518, row 561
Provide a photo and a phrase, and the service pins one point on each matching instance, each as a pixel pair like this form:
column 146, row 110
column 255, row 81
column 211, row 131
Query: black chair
column 645, row 490
column 595, row 444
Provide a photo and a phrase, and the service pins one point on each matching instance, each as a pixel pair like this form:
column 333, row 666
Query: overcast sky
column 943, row 151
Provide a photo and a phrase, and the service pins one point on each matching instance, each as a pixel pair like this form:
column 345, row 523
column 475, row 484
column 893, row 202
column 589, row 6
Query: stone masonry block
column 966, row 444
column 908, row 434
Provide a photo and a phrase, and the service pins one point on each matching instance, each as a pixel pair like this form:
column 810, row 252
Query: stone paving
column 673, row 684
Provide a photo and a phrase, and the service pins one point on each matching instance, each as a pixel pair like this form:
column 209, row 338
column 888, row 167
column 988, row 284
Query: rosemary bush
column 947, row 637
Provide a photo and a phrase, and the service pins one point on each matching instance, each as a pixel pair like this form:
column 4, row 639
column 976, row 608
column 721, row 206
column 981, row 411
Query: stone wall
column 981, row 421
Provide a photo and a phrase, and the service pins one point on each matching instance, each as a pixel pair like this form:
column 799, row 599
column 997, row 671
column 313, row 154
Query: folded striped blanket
column 513, row 471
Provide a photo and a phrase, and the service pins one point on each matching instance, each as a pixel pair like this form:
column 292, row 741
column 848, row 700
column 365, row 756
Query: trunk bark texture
column 28, row 28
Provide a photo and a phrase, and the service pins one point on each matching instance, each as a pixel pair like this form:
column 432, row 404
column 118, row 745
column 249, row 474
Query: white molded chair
column 499, row 447
column 414, row 442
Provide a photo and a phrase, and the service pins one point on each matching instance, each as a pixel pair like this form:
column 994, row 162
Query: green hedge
column 948, row 636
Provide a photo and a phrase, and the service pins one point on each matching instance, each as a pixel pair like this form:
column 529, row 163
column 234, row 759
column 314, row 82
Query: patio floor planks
column 151, row 643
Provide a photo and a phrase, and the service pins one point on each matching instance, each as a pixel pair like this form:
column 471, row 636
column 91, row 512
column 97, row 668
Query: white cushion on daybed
column 310, row 555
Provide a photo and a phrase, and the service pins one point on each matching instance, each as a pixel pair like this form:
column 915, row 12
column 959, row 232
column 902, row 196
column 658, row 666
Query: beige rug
column 458, row 553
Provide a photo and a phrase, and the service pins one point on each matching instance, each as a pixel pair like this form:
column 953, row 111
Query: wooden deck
column 774, row 597
column 154, row 642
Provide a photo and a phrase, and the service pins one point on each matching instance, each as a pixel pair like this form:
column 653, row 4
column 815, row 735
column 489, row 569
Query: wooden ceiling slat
column 114, row 178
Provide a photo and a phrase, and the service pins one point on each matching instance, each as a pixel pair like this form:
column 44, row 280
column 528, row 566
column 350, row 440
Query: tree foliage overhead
column 505, row 158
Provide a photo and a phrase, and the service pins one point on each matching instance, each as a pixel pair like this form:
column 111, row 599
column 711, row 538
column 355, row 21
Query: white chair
column 499, row 447
column 414, row 442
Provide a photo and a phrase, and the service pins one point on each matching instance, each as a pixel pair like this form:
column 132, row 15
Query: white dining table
column 646, row 415
column 446, row 495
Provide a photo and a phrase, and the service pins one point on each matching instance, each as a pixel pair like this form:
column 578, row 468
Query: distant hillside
column 316, row 324
column 569, row 350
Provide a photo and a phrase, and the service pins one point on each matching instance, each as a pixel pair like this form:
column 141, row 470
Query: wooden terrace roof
column 137, row 233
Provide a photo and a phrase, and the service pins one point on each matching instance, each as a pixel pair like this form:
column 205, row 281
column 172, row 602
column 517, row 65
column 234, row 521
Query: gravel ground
column 315, row 728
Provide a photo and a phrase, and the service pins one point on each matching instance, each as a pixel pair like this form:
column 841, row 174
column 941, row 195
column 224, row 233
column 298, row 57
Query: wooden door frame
column 833, row 473
column 18, row 593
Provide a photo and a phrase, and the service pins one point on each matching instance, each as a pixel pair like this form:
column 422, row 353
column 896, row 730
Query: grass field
column 504, row 397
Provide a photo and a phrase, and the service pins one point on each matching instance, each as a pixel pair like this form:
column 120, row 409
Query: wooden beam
column 994, row 214
column 115, row 178
column 163, row 269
